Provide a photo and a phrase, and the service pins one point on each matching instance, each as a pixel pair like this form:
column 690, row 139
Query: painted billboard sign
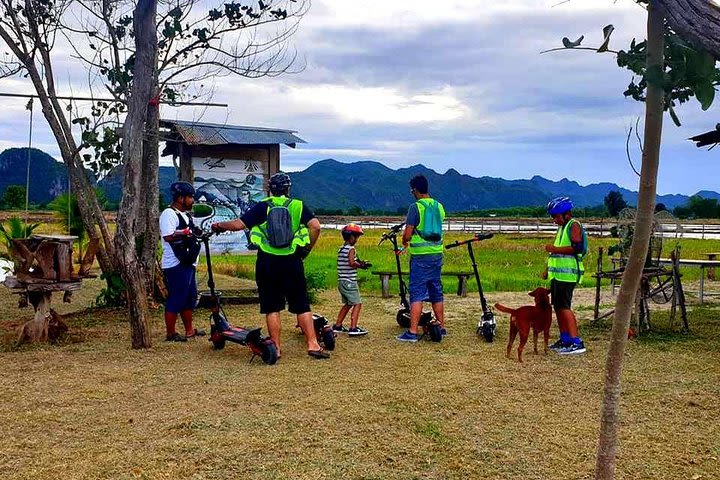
column 232, row 186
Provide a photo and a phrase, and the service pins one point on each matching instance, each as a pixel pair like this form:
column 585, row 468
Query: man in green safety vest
column 423, row 237
column 284, row 230
column 565, row 269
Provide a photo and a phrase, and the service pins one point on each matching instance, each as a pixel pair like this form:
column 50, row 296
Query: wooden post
column 385, row 283
column 462, row 285
column 598, row 274
column 679, row 292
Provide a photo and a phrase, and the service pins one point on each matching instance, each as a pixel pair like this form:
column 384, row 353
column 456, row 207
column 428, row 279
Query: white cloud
column 381, row 105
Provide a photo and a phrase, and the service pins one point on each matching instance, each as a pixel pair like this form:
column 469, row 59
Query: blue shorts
column 182, row 289
column 425, row 283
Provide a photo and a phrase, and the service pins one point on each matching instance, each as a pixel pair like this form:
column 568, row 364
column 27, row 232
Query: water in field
column 689, row 230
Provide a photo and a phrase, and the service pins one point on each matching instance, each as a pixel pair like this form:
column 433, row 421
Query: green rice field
column 506, row 262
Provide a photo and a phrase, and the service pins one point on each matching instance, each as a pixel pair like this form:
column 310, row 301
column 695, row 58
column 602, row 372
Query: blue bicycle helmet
column 559, row 205
column 182, row 189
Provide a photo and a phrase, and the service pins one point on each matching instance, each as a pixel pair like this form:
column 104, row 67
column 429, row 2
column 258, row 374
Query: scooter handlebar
column 394, row 230
column 478, row 237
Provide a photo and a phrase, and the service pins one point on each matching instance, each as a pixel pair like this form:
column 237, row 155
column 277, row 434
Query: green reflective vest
column 418, row 245
column 563, row 267
column 258, row 234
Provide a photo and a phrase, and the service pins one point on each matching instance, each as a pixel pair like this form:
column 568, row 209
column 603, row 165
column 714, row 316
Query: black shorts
column 280, row 278
column 561, row 294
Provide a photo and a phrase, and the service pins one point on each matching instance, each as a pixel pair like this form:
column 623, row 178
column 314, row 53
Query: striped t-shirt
column 345, row 271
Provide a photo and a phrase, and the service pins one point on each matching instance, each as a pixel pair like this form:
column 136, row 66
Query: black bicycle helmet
column 280, row 182
column 182, row 189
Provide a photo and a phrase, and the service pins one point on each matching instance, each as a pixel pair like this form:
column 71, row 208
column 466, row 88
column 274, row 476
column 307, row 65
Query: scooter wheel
column 488, row 332
column 435, row 332
column 328, row 338
column 218, row 341
column 403, row 318
column 268, row 352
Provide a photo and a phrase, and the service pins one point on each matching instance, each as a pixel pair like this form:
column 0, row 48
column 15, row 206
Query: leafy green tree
column 14, row 197
column 614, row 202
column 14, row 228
column 355, row 211
column 67, row 210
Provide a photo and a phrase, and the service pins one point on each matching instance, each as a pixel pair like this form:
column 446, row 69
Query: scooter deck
column 241, row 335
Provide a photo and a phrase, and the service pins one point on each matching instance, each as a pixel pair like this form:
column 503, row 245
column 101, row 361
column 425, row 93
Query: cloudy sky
column 453, row 84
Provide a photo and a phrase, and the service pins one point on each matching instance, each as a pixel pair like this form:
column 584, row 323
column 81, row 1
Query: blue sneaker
column 443, row 332
column 407, row 337
column 558, row 345
column 572, row 349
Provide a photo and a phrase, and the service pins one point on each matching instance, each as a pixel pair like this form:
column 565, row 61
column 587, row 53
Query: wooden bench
column 461, row 276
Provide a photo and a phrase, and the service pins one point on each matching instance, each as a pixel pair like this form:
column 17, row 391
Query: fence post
column 703, row 237
column 482, row 225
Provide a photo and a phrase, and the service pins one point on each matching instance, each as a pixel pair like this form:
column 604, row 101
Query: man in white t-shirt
column 179, row 258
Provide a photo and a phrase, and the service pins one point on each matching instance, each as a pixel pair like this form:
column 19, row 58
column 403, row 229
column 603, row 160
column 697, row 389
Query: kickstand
column 252, row 358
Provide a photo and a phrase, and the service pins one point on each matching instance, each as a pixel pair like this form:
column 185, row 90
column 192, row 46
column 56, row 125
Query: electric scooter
column 429, row 324
column 486, row 324
column 221, row 331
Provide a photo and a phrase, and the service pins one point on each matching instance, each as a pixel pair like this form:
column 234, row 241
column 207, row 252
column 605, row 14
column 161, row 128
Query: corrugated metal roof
column 194, row 133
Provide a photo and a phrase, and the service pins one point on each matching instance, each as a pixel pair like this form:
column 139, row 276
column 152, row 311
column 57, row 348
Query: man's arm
column 407, row 234
column 314, row 229
column 575, row 238
column 228, row 226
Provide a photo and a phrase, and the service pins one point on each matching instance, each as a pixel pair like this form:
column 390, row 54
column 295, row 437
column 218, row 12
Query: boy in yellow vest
column 423, row 237
column 565, row 269
column 285, row 230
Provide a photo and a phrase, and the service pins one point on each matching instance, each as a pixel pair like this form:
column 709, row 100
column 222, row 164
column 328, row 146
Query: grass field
column 91, row 407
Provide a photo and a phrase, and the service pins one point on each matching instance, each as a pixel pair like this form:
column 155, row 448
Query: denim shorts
column 425, row 283
column 182, row 289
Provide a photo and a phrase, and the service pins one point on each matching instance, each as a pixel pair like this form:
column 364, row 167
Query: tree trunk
column 697, row 21
column 150, row 174
column 132, row 206
column 654, row 103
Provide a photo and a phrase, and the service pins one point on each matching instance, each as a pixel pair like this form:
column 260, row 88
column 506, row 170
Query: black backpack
column 278, row 229
column 187, row 248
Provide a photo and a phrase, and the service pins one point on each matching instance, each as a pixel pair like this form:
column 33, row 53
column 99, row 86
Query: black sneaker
column 357, row 331
column 339, row 329
column 175, row 337
column 557, row 345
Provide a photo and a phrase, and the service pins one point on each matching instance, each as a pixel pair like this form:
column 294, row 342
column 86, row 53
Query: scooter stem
column 483, row 303
column 403, row 292
column 211, row 280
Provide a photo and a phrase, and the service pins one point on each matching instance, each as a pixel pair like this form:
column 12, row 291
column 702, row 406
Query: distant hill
column 48, row 177
column 113, row 181
column 333, row 185
column 330, row 184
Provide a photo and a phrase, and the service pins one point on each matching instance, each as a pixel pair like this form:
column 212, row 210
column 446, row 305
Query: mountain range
column 333, row 185
column 330, row 184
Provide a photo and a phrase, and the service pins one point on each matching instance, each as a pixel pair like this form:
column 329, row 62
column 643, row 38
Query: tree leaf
column 705, row 93
column 674, row 116
column 607, row 31
column 568, row 44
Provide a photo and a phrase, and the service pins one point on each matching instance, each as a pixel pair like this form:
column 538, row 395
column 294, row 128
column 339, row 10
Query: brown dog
column 538, row 316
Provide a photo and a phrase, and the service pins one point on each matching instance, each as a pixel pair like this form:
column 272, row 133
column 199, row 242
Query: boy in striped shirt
column 347, row 265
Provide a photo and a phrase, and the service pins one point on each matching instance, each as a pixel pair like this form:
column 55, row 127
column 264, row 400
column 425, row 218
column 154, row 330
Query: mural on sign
column 232, row 186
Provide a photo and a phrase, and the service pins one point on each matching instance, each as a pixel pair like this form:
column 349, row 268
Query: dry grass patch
column 376, row 410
